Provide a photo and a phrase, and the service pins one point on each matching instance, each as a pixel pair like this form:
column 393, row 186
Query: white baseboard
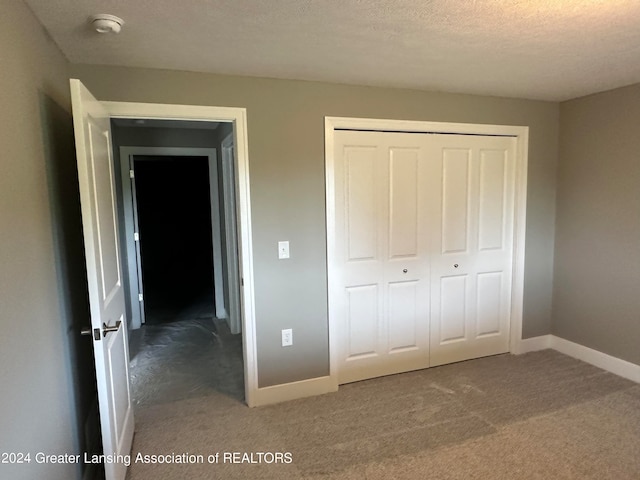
column 322, row 385
column 533, row 344
column 599, row 359
column 611, row 364
column 293, row 391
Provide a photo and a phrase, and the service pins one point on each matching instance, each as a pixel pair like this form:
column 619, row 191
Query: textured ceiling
column 540, row 49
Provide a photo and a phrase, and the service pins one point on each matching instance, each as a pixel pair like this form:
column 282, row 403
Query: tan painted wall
column 596, row 299
column 286, row 153
column 46, row 382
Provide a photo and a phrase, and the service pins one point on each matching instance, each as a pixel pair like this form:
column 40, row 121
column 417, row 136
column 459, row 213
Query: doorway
column 237, row 117
column 185, row 175
column 99, row 189
column 175, row 244
column 176, row 241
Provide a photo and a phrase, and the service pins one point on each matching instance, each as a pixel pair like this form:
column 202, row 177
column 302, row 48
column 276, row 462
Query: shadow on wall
column 64, row 200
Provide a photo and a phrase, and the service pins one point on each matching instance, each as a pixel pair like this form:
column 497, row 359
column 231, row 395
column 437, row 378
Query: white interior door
column 472, row 238
column 424, row 232
column 104, row 275
column 382, row 282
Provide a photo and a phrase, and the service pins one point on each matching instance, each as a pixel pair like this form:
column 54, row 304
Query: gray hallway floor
column 193, row 355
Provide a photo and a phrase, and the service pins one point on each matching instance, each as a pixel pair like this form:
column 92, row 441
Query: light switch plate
column 283, row 249
column 287, row 337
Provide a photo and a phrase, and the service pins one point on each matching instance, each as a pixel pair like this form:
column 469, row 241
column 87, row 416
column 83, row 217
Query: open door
column 104, row 275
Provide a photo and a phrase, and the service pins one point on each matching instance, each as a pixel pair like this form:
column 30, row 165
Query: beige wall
column 45, row 367
column 286, row 154
column 597, row 271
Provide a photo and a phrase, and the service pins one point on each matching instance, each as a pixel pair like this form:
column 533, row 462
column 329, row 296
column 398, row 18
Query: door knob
column 405, row 270
column 106, row 329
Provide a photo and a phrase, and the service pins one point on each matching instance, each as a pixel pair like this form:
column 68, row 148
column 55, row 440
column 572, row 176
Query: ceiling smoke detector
column 104, row 23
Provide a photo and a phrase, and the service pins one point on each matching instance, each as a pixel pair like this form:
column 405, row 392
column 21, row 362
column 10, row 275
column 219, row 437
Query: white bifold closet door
column 382, row 248
column 471, row 246
column 423, row 250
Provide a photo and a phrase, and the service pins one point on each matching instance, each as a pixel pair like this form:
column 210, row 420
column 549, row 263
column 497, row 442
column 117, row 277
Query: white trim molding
column 602, row 360
column 521, row 135
column 294, row 390
column 611, row 364
column 237, row 116
column 532, row 344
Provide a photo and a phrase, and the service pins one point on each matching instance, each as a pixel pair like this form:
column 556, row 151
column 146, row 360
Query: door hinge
column 242, row 282
column 139, row 297
column 131, row 174
column 136, row 237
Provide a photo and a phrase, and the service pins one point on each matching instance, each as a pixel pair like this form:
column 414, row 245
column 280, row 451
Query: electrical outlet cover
column 283, row 249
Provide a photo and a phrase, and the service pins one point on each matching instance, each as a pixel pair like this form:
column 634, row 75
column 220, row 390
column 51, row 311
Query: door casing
column 520, row 133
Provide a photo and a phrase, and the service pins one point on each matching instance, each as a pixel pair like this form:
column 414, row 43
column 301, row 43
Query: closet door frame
column 521, row 135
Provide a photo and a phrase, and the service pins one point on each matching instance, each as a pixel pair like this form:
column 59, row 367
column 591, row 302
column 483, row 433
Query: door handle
column 106, row 329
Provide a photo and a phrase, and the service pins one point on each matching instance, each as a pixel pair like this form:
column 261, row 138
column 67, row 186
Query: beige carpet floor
column 541, row 415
